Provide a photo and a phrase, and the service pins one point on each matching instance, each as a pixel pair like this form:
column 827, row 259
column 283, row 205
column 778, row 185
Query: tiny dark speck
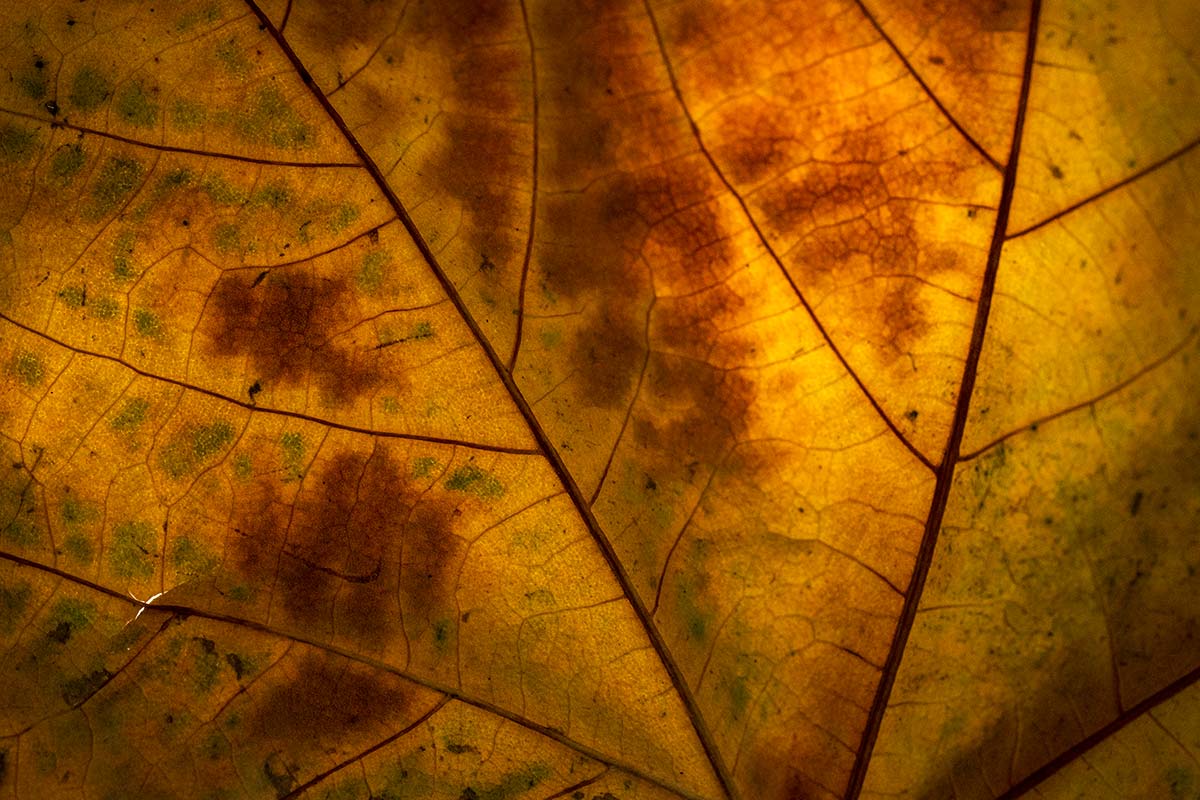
column 52, row 108
column 936, row 60
column 1135, row 505
column 912, row 415
column 1056, row 172
column 254, row 389
column 650, row 484
column 259, row 279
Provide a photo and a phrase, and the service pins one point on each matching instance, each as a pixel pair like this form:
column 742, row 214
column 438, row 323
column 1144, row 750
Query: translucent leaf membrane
column 611, row 400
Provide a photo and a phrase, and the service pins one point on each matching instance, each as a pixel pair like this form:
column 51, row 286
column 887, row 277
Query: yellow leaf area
column 604, row 400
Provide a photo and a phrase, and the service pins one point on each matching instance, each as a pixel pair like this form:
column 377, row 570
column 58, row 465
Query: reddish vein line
column 925, row 87
column 945, row 473
column 183, row 611
column 1079, row 748
column 416, row 437
column 1162, row 162
column 166, row 148
column 407, row 729
column 679, row 683
column 516, row 349
column 1091, row 401
column 812, row 314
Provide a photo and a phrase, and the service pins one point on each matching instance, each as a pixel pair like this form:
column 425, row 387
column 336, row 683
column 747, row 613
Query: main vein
column 945, row 473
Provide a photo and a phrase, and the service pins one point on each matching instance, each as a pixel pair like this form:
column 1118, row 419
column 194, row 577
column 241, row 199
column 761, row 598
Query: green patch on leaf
column 133, row 550
column 275, row 195
column 77, row 690
column 66, row 162
column 441, row 633
column 232, row 58
column 391, row 404
column 227, row 238
column 147, row 323
column 105, row 308
column 117, row 178
column 293, row 456
column 188, row 449
column 16, row 143
column 131, row 416
column 78, row 512
column 122, row 256
column 22, row 533
column 33, row 83
column 221, row 192
column 270, row 120
column 472, row 480
column 1182, row 783
column 423, row 466
column 206, row 665
column 206, row 15
column 191, row 558
column 173, row 180
column 13, row 602
column 739, row 696
column 342, row 217
column 696, row 619
column 73, row 296
column 372, row 271
column 69, row 616
column 515, row 784
column 188, row 116
column 243, row 467
column 28, row 367
column 79, row 548
column 136, row 106
column 89, row 89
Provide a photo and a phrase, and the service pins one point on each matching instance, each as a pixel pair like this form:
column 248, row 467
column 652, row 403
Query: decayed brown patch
column 284, row 325
column 755, row 144
column 343, row 26
column 486, row 151
column 854, row 232
column 359, row 551
column 319, row 707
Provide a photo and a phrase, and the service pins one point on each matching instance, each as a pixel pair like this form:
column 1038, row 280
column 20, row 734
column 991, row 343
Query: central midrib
column 945, row 473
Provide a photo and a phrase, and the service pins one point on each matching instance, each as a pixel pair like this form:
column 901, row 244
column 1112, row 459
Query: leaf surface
column 485, row 399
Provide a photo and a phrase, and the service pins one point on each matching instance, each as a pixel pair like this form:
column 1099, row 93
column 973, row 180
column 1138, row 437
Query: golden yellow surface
column 492, row 399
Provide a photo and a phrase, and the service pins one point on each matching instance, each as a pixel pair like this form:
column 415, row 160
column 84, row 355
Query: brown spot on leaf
column 319, row 707
column 285, row 328
column 486, row 147
column 358, row 540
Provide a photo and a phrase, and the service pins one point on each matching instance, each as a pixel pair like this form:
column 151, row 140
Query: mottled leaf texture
column 599, row 399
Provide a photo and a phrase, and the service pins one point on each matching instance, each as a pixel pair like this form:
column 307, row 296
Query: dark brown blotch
column 358, row 539
column 284, row 326
column 317, row 702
